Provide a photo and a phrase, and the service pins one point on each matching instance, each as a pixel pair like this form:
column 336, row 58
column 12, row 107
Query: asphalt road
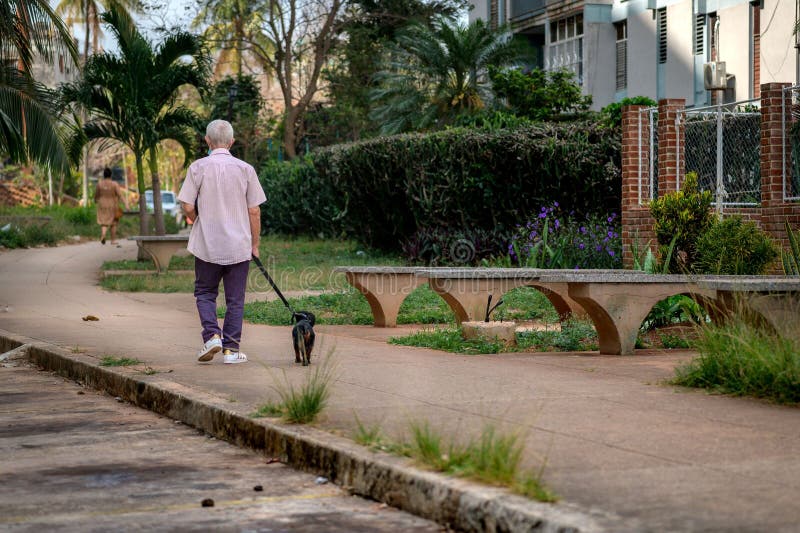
column 73, row 459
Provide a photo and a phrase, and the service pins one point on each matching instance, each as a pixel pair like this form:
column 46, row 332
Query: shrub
column 444, row 246
column 681, row 217
column 612, row 113
column 539, row 94
column 299, row 201
column 554, row 239
column 384, row 190
column 734, row 246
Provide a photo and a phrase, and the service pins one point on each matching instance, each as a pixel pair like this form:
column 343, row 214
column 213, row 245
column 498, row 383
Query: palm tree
column 438, row 72
column 229, row 26
column 131, row 98
column 28, row 117
column 87, row 12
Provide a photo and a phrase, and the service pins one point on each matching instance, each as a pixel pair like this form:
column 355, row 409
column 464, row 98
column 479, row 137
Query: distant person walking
column 221, row 196
column 107, row 196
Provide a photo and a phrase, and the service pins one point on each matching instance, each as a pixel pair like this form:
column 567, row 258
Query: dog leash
column 271, row 282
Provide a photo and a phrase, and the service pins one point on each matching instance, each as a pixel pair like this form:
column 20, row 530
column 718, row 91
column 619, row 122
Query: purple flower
column 598, row 248
column 557, row 224
column 555, row 204
column 544, row 209
column 543, row 214
column 610, row 233
column 610, row 219
column 611, row 253
column 581, row 246
column 583, row 230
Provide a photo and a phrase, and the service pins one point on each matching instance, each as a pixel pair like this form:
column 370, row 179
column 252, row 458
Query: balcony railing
column 521, row 9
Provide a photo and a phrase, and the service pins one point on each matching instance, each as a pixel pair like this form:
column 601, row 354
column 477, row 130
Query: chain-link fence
column 791, row 142
column 648, row 155
column 723, row 145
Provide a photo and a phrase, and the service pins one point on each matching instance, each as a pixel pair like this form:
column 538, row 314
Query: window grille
column 622, row 55
column 565, row 49
column 699, row 47
column 661, row 22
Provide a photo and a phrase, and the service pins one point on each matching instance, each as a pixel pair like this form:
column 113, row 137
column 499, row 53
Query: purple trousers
column 206, row 288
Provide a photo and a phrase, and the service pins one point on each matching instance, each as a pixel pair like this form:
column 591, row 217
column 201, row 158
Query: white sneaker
column 232, row 357
column 211, row 347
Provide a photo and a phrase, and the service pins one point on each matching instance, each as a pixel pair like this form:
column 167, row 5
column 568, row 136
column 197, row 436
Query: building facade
column 657, row 48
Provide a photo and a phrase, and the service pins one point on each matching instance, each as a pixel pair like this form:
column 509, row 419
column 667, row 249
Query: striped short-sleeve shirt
column 223, row 188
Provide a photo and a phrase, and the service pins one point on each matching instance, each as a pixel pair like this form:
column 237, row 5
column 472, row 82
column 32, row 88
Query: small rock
column 208, row 502
column 81, row 392
column 321, row 480
column 88, row 318
column 119, row 399
column 76, row 238
column 258, row 488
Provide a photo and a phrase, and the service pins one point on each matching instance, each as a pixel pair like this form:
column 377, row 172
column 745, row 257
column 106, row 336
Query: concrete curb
column 455, row 503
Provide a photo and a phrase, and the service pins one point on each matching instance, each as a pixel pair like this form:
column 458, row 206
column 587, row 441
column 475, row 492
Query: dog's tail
column 300, row 345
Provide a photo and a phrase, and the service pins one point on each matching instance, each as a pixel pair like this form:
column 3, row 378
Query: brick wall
column 19, row 194
column 637, row 224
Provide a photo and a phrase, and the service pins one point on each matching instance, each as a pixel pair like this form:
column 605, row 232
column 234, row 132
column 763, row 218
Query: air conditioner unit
column 714, row 76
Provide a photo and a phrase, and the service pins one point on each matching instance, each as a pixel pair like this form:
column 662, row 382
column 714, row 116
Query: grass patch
column 295, row 263
column 423, row 306
column 268, row 410
column 450, row 340
column 525, row 303
column 743, row 359
column 176, row 263
column 672, row 341
column 492, row 458
column 164, row 283
column 302, row 405
column 575, row 335
column 112, row 360
column 65, row 222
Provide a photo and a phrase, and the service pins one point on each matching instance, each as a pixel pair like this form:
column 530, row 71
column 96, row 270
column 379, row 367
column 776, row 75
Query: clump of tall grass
column 492, row 457
column 303, row 404
column 744, row 358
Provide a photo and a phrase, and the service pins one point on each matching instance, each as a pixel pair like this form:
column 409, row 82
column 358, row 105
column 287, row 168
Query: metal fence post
column 720, row 173
column 639, row 149
column 652, row 156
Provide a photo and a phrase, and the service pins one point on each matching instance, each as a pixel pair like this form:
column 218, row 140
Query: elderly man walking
column 221, row 196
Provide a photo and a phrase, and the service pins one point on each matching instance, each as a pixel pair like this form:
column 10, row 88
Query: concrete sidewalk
column 613, row 437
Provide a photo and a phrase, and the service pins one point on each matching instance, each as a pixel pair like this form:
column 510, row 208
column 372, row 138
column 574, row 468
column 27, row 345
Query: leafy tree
column 438, row 73
column 28, row 123
column 368, row 29
column 612, row 113
column 243, row 107
column 538, row 95
column 230, row 26
column 132, row 98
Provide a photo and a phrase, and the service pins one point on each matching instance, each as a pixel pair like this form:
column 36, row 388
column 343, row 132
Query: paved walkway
column 613, row 437
column 74, row 459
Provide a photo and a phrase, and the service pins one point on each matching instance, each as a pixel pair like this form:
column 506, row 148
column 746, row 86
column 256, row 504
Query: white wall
column 778, row 56
column 679, row 69
column 599, row 63
column 734, row 46
column 642, row 55
column 479, row 10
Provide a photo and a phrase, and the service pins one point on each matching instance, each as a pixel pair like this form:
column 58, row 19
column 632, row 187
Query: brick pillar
column 635, row 221
column 774, row 210
column 670, row 144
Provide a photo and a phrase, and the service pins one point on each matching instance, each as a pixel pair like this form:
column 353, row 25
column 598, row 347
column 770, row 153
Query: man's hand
column 189, row 212
column 254, row 214
column 255, row 251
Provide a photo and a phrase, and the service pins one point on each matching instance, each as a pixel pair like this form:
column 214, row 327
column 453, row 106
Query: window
column 699, row 47
column 661, row 24
column 565, row 50
column 622, row 55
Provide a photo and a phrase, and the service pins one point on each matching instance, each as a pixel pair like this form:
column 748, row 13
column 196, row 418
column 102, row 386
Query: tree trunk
column 158, row 211
column 143, row 229
column 290, row 133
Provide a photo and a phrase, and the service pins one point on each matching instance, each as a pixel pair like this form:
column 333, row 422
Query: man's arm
column 189, row 212
column 255, row 227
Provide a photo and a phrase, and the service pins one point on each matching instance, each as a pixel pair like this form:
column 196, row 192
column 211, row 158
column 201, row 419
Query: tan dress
column 107, row 196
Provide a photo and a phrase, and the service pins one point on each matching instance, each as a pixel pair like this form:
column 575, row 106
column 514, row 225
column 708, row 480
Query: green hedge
column 382, row 191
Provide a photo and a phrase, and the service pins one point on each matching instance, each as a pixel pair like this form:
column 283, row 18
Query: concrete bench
column 161, row 248
column 385, row 288
column 467, row 290
column 775, row 299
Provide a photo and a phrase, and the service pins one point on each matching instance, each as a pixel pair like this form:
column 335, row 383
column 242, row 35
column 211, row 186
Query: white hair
column 219, row 133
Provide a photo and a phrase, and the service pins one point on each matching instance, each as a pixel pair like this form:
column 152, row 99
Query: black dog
column 303, row 336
